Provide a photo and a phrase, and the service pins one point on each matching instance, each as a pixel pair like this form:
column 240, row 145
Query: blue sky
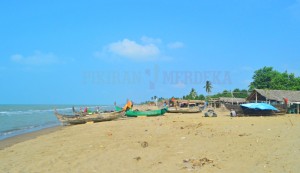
column 96, row 52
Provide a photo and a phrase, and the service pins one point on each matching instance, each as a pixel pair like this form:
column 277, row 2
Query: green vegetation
column 268, row 78
column 236, row 93
column 194, row 96
column 264, row 78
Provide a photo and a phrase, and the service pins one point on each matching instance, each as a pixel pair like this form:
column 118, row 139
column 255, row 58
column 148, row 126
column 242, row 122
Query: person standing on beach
column 85, row 110
column 128, row 105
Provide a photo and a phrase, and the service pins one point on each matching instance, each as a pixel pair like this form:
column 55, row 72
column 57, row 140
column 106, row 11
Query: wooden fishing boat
column 236, row 107
column 136, row 113
column 80, row 113
column 184, row 110
column 79, row 119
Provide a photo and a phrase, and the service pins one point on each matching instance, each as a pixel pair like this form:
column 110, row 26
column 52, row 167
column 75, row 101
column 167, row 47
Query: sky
column 99, row 52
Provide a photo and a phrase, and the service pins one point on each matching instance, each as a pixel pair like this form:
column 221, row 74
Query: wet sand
column 27, row 136
column 170, row 143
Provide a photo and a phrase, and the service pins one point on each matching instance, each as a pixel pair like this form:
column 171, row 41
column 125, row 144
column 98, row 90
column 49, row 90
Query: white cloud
column 145, row 49
column 133, row 50
column 175, row 45
column 38, row 58
column 148, row 40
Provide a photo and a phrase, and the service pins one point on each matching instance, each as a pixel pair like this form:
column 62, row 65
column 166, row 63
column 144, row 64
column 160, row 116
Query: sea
column 21, row 119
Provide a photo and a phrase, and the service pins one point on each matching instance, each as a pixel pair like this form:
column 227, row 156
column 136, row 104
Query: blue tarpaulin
column 260, row 106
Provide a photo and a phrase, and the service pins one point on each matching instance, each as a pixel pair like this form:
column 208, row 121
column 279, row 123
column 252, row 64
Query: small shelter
column 279, row 98
column 187, row 103
column 224, row 101
column 232, row 100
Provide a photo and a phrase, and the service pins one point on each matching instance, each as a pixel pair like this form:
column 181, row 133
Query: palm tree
column 208, row 87
column 193, row 94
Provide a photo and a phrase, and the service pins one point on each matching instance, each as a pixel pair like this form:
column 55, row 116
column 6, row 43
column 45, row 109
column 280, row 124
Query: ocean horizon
column 17, row 119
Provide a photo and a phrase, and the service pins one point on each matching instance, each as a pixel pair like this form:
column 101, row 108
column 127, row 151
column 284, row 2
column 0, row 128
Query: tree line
column 264, row 78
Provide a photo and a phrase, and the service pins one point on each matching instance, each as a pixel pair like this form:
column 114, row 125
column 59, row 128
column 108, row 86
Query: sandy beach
column 170, row 143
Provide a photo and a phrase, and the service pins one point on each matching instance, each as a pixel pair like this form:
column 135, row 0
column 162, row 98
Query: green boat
column 133, row 113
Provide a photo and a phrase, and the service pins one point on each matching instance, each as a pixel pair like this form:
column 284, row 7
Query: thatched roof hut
column 232, row 100
column 274, row 95
column 191, row 101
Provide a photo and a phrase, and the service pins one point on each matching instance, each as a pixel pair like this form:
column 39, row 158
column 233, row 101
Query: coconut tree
column 208, row 87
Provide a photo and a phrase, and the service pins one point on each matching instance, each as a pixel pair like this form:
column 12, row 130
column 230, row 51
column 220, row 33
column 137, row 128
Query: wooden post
column 298, row 108
column 255, row 96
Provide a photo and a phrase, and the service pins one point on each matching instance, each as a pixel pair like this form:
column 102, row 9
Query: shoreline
column 7, row 142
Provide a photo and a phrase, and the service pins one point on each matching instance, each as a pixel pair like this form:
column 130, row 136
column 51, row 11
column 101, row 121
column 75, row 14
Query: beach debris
column 199, row 125
column 186, row 160
column 144, row 144
column 192, row 126
column 244, row 134
column 291, row 122
column 196, row 163
column 109, row 134
column 182, row 138
column 137, row 158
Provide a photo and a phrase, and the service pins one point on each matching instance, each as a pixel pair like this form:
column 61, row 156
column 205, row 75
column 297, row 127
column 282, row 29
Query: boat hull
column 184, row 111
column 131, row 113
column 77, row 119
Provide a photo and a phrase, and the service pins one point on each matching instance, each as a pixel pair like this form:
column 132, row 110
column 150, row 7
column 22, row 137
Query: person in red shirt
column 85, row 110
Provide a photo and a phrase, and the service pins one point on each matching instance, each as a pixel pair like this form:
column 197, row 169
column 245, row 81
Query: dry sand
column 171, row 143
